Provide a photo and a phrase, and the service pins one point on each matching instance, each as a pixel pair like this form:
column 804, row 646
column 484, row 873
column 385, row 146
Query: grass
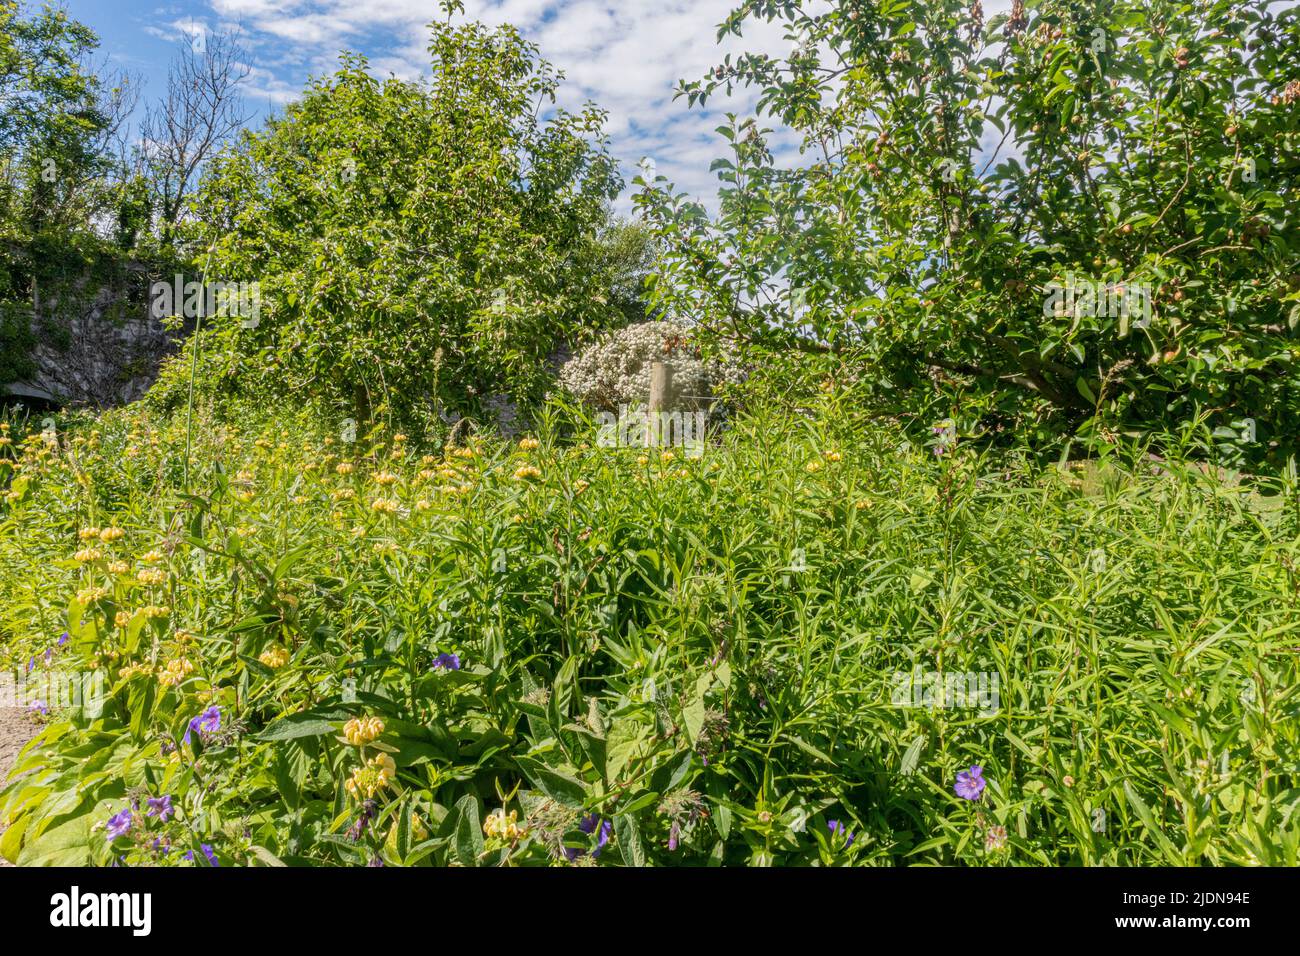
column 704, row 653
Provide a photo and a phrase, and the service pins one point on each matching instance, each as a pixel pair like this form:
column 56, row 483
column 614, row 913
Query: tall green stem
column 194, row 363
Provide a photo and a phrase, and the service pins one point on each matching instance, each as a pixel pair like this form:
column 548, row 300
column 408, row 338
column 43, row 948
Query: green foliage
column 953, row 170
column 704, row 653
column 52, row 114
column 418, row 246
column 58, row 182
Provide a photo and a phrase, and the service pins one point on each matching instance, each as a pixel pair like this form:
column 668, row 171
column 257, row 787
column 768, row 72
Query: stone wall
column 96, row 343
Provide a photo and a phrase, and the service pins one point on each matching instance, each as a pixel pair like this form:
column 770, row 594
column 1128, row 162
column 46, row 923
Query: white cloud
column 627, row 57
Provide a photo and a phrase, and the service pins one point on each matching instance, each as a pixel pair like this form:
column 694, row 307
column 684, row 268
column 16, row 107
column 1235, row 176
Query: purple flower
column 838, row 828
column 970, row 783
column 160, row 807
column 49, row 654
column 38, row 707
column 447, row 661
column 358, row 829
column 207, row 852
column 119, row 824
column 589, row 824
column 205, row 723
column 674, row 835
column 31, row 664
column 63, row 638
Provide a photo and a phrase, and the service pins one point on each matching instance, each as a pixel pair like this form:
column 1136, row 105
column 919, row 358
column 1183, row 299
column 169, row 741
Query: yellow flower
column 344, row 468
column 385, row 506
column 399, row 438
column 90, row 595
column 643, row 460
column 813, row 467
column 526, row 473
column 422, row 505
column 464, row 452
column 156, row 610
column 175, row 672
column 152, row 576
column 385, row 478
column 580, row 486
column 502, row 826
column 86, row 534
column 831, row 455
column 109, row 535
column 88, row 554
column 666, row 456
column 151, row 557
column 365, row 782
column 528, row 444
column 275, row 657
column 363, row 730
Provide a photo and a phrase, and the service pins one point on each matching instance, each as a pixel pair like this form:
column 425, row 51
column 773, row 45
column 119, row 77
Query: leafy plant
column 1069, row 219
column 569, row 655
column 418, row 247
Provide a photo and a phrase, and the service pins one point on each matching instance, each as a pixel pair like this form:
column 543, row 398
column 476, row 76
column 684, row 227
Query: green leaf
column 629, row 840
column 298, row 725
column 558, row 786
column 468, row 840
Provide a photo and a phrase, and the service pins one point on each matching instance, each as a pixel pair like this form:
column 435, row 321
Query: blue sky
column 627, row 56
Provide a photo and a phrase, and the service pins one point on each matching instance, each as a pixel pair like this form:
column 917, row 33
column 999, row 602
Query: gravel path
column 15, row 730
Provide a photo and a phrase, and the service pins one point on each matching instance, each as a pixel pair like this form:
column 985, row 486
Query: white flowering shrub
column 616, row 370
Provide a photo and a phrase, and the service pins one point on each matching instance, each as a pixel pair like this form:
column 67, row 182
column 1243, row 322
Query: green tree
column 966, row 188
column 54, row 115
column 418, row 245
